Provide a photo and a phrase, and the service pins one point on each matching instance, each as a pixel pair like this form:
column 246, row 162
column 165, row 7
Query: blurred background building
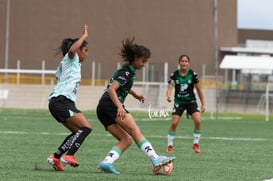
column 168, row 28
column 206, row 30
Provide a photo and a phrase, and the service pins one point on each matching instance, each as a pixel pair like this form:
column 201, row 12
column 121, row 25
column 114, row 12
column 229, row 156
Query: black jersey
column 125, row 76
column 184, row 86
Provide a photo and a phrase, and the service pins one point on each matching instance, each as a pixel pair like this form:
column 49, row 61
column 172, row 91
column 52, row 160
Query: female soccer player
column 62, row 100
column 184, row 80
column 113, row 114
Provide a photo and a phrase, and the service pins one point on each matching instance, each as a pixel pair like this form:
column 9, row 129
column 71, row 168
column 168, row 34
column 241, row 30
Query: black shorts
column 107, row 112
column 62, row 108
column 191, row 108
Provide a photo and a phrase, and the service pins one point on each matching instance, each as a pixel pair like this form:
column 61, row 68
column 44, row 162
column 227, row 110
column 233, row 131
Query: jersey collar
column 180, row 73
column 131, row 68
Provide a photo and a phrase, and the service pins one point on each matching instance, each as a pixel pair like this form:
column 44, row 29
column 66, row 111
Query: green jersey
column 125, row 77
column 184, row 86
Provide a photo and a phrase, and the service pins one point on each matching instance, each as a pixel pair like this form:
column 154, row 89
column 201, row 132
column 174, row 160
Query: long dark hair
column 66, row 45
column 130, row 50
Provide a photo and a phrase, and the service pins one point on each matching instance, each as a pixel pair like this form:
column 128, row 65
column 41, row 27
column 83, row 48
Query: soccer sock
column 113, row 155
column 171, row 136
column 147, row 148
column 196, row 136
column 77, row 140
column 64, row 146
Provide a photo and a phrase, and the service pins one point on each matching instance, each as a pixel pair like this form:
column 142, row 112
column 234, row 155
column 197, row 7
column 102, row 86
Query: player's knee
column 197, row 122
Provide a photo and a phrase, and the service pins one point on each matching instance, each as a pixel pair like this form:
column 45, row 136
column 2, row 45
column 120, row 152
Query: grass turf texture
column 238, row 148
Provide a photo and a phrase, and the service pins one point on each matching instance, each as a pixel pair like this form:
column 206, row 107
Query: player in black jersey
column 185, row 80
column 116, row 118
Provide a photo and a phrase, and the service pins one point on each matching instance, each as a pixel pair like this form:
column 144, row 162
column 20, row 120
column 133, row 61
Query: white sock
column 171, row 136
column 148, row 149
column 112, row 155
column 196, row 137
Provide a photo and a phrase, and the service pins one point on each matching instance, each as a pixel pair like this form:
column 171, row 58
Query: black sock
column 64, row 146
column 78, row 139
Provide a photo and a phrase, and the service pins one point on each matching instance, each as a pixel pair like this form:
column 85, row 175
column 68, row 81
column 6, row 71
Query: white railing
column 28, row 71
column 95, row 67
column 19, row 71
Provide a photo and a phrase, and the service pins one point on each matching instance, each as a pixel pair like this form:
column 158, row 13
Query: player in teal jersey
column 116, row 118
column 62, row 101
column 185, row 80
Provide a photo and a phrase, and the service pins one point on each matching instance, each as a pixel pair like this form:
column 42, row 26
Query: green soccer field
column 236, row 147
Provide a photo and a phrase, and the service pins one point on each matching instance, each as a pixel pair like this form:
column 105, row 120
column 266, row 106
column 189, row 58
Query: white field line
column 217, row 138
column 183, row 118
column 31, row 133
column 151, row 136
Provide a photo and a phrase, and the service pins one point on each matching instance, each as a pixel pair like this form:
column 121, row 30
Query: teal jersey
column 125, row 77
column 184, row 86
column 68, row 75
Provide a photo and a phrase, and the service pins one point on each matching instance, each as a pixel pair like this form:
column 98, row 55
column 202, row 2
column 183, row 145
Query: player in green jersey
column 116, row 118
column 184, row 81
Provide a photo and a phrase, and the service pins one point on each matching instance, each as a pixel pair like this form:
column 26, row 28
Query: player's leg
column 176, row 115
column 193, row 110
column 59, row 112
column 106, row 113
column 54, row 159
column 196, row 117
column 79, row 125
column 130, row 126
column 124, row 142
column 171, row 132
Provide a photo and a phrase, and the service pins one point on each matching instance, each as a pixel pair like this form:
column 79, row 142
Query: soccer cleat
column 161, row 160
column 107, row 167
column 55, row 163
column 196, row 148
column 70, row 160
column 169, row 149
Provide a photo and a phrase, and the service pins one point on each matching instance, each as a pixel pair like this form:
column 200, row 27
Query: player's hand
column 121, row 113
column 203, row 108
column 139, row 97
column 85, row 30
column 169, row 99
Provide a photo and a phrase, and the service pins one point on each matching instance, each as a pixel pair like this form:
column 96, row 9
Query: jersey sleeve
column 122, row 77
column 172, row 79
column 195, row 78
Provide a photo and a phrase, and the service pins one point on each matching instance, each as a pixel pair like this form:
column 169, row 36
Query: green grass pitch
column 236, row 147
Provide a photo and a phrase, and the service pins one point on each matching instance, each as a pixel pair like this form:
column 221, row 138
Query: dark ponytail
column 130, row 50
column 66, row 45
